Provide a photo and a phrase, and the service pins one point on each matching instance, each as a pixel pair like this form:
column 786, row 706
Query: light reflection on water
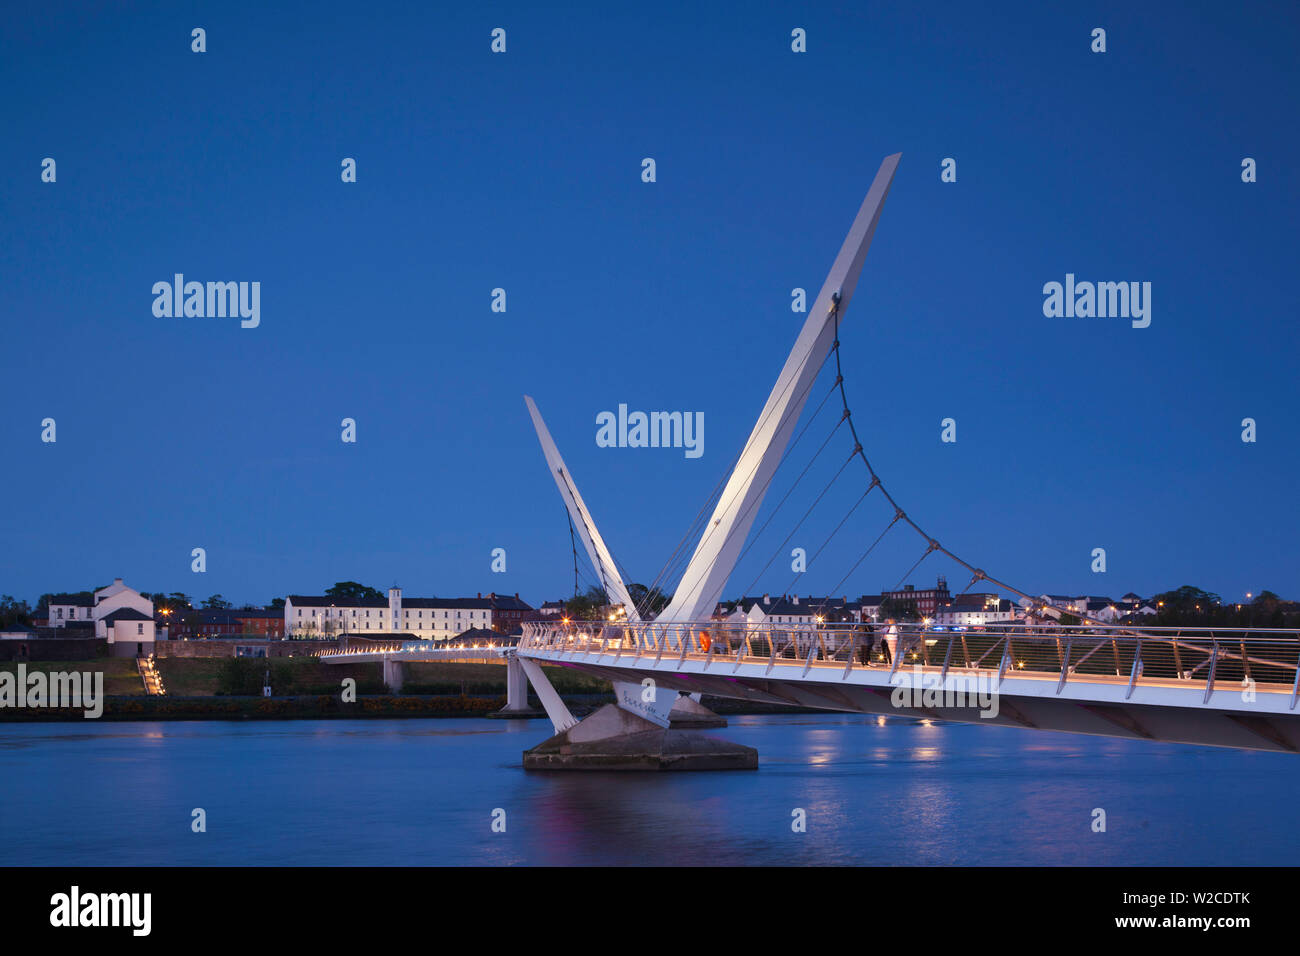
column 874, row 790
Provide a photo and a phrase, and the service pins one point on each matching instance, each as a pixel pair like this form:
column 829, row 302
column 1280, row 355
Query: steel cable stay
column 789, row 491
column 675, row 559
column 763, row 490
column 803, row 431
column 930, row 548
column 573, row 543
column 848, row 514
column 591, row 536
column 591, row 581
column 768, row 482
column 588, row 582
column 580, row 577
column 799, row 524
column 757, row 428
column 692, row 529
column 789, row 451
column 871, row 547
column 695, row 527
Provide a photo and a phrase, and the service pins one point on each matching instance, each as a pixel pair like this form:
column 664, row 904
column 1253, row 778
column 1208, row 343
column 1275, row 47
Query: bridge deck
column 1221, row 688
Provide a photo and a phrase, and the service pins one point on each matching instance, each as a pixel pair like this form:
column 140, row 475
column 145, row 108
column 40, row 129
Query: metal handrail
column 1133, row 656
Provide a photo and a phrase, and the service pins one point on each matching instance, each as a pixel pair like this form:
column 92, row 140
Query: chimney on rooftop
column 480, row 594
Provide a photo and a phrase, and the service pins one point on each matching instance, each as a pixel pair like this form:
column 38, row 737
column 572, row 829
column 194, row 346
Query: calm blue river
column 418, row 792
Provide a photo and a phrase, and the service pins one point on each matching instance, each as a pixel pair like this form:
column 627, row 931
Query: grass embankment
column 491, row 679
column 121, row 676
column 243, row 676
column 217, row 688
column 207, row 688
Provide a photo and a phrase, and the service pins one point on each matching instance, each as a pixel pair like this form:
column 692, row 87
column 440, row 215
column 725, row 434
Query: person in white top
column 891, row 641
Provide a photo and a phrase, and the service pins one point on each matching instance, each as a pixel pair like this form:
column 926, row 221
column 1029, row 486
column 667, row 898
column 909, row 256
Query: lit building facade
column 437, row 619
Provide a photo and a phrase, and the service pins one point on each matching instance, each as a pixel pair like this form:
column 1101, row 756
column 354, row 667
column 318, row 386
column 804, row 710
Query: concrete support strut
column 561, row 719
column 394, row 675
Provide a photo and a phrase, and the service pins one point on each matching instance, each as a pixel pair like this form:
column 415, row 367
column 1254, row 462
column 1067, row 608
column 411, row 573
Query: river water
column 425, row 792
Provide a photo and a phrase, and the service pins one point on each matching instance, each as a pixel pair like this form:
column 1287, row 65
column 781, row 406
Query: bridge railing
column 1147, row 655
column 371, row 647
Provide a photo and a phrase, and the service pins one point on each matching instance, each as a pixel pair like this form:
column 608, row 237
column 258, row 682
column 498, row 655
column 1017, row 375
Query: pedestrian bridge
column 1227, row 688
column 395, row 655
column 1218, row 687
column 372, row 652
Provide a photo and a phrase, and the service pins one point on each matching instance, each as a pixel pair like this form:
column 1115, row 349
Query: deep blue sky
column 523, row 171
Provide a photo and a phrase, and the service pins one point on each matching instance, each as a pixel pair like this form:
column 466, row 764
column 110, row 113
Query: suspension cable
column 931, row 543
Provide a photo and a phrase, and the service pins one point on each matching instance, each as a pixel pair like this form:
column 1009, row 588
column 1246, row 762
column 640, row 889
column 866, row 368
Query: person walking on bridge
column 866, row 638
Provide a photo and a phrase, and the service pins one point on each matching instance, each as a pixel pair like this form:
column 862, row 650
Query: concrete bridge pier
column 516, row 691
column 616, row 739
column 688, row 713
column 394, row 675
column 663, row 736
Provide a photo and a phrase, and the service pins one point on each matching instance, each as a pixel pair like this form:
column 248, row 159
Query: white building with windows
column 972, row 610
column 119, row 614
column 437, row 619
column 787, row 609
column 69, row 608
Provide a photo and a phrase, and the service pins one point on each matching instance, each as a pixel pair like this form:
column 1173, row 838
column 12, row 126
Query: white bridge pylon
column 615, row 589
column 719, row 548
column 585, row 525
column 723, row 538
